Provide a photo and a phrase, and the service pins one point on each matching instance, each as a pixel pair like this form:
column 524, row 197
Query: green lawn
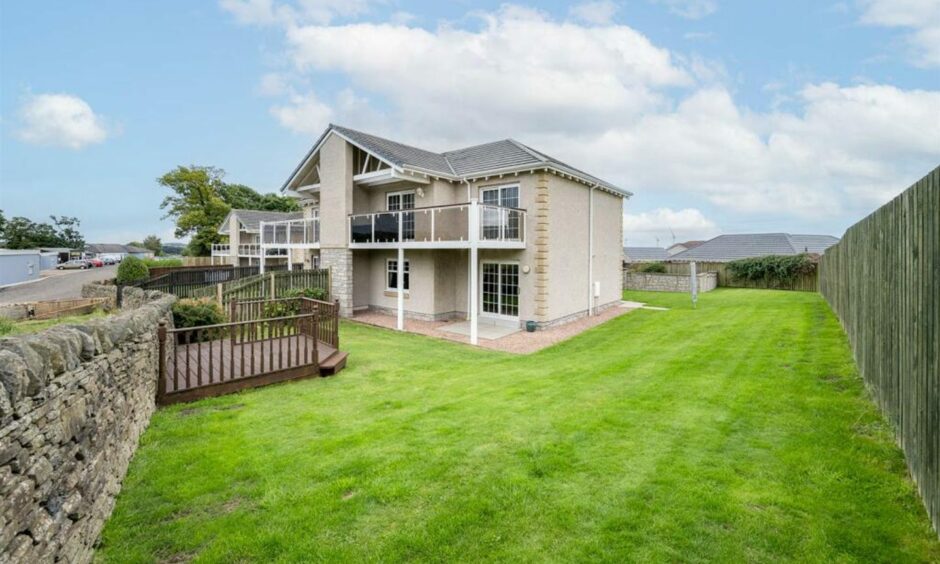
column 736, row 431
column 10, row 327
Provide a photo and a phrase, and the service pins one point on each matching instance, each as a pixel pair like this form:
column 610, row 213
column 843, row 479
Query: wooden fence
column 327, row 312
column 269, row 286
column 805, row 283
column 883, row 282
column 191, row 282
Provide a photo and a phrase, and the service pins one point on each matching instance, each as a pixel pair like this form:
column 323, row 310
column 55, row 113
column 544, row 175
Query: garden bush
column 653, row 267
column 292, row 307
column 312, row 293
column 196, row 312
column 131, row 270
column 775, row 270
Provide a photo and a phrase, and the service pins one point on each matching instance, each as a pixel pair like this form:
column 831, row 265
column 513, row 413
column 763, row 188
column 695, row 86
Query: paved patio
column 494, row 336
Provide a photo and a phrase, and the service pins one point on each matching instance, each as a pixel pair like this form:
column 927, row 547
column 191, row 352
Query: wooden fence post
column 336, row 322
column 233, row 309
column 161, row 362
column 218, row 293
column 273, row 296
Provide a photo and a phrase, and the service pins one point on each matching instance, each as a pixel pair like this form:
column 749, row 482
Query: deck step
column 333, row 363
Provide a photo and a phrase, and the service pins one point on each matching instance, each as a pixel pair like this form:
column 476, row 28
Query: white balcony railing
column 291, row 233
column 250, row 250
column 440, row 227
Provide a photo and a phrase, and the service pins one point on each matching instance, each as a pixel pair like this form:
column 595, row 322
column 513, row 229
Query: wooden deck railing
column 198, row 362
column 327, row 313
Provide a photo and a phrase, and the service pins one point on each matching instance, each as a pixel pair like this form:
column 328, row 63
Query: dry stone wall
column 74, row 400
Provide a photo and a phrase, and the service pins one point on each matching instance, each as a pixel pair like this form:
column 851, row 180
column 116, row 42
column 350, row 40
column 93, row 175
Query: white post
column 290, row 260
column 473, row 221
column 693, row 283
column 401, row 288
column 261, row 230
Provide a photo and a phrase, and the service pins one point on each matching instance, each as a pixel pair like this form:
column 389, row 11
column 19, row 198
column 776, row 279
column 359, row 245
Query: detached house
column 497, row 233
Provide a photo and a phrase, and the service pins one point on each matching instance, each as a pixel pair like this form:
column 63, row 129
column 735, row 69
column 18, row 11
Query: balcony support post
column 401, row 288
column 474, row 235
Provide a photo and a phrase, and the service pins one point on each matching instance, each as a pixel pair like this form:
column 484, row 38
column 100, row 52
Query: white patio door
column 500, row 289
column 398, row 201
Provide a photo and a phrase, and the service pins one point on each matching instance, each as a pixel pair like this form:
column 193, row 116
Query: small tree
column 131, row 270
column 152, row 243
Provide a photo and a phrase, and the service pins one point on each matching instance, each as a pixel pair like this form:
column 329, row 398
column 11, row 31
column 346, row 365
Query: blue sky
column 721, row 116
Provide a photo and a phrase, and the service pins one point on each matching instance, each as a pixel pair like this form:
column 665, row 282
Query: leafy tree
column 242, row 197
column 195, row 205
column 23, row 233
column 152, row 243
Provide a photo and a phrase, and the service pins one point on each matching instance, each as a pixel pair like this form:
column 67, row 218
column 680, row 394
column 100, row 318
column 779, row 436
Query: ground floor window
column 500, row 289
column 391, row 274
column 315, row 262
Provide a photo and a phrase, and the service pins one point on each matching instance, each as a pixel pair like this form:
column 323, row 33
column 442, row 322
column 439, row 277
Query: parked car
column 96, row 262
column 74, row 264
column 109, row 260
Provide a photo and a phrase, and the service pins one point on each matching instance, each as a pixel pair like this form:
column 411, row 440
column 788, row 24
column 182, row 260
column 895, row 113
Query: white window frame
column 518, row 285
column 388, row 196
column 498, row 189
column 398, row 274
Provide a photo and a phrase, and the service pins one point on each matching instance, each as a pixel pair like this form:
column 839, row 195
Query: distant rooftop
column 724, row 248
column 644, row 254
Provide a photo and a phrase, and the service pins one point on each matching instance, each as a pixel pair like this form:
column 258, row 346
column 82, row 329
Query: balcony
column 290, row 234
column 440, row 227
column 249, row 251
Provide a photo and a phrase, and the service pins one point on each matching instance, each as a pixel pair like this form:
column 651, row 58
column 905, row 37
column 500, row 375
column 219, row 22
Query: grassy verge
column 8, row 327
column 738, row 431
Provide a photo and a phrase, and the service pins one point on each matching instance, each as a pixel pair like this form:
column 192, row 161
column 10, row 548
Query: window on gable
column 391, row 275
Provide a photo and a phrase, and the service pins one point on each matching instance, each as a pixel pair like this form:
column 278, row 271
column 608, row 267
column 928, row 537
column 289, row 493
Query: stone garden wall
column 132, row 297
column 74, row 400
column 707, row 281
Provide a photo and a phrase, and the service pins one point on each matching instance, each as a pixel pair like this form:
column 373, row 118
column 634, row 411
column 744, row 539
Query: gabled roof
column 250, row 220
column 726, row 248
column 644, row 254
column 488, row 159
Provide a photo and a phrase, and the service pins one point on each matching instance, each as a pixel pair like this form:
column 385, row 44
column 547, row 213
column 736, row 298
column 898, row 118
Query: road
column 55, row 285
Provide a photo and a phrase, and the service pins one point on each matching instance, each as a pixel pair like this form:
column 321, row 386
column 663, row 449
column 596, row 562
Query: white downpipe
column 591, row 251
column 401, row 277
column 261, row 231
column 474, row 225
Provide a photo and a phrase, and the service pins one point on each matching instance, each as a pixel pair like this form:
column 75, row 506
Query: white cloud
column 664, row 224
column 60, row 120
column 921, row 17
column 599, row 12
column 303, row 114
column 690, row 9
column 605, row 98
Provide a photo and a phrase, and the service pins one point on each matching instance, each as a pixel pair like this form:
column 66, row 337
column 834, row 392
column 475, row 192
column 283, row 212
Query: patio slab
column 518, row 342
column 485, row 329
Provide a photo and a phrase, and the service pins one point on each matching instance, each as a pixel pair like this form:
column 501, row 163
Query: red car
column 96, row 262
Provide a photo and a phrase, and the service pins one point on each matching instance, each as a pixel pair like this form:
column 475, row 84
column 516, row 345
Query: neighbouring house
column 684, row 246
column 19, row 265
column 115, row 251
column 242, row 228
column 726, row 248
column 644, row 254
column 498, row 232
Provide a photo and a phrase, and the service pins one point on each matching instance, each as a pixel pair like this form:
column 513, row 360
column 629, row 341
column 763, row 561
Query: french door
column 495, row 219
column 397, row 201
column 500, row 289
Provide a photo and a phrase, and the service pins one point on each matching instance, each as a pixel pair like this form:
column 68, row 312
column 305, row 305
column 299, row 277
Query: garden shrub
column 131, row 270
column 774, row 270
column 312, row 293
column 196, row 312
column 653, row 267
column 292, row 307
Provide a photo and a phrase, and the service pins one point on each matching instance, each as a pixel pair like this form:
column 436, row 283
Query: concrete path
column 55, row 285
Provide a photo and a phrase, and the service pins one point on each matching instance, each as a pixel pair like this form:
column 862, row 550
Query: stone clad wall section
column 707, row 281
column 74, row 401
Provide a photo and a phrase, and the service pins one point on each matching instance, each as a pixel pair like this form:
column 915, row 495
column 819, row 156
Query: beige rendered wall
column 568, row 269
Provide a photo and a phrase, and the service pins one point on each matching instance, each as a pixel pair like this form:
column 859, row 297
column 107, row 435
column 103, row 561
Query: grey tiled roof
column 251, row 219
column 732, row 247
column 488, row 158
column 644, row 254
column 105, row 248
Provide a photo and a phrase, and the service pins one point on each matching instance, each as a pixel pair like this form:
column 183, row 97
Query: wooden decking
column 216, row 367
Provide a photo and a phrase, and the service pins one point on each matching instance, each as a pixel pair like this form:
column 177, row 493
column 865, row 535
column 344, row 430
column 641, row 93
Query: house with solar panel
column 499, row 234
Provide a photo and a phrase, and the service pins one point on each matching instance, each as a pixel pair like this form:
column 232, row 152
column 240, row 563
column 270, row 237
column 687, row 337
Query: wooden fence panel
column 882, row 280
